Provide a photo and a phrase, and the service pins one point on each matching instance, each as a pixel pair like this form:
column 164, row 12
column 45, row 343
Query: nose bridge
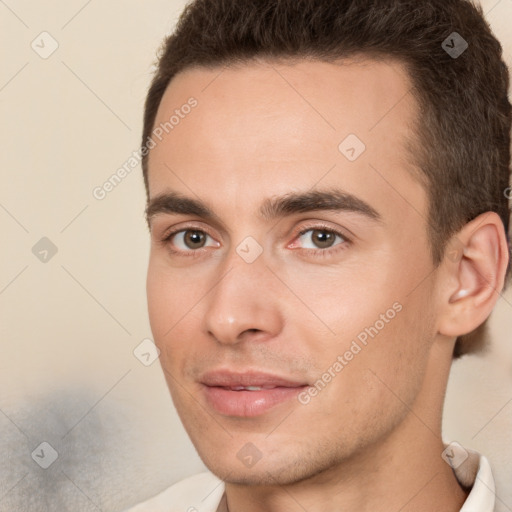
column 242, row 298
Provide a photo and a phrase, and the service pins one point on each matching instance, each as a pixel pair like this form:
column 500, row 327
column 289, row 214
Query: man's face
column 259, row 298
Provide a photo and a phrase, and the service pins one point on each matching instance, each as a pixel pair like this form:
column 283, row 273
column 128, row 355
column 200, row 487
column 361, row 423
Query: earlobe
column 475, row 280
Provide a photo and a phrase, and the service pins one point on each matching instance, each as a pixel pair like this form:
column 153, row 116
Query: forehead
column 268, row 126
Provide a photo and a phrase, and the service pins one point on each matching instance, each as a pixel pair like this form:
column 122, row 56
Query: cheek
column 378, row 385
column 174, row 308
column 166, row 307
column 383, row 334
column 170, row 295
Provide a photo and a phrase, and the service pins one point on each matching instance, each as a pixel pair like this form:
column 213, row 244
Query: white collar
column 475, row 472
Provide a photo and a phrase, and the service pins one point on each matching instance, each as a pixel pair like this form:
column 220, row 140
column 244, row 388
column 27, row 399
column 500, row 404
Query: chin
column 253, row 477
column 267, row 471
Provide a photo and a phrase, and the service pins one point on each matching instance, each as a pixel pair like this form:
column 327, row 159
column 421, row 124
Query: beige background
column 68, row 375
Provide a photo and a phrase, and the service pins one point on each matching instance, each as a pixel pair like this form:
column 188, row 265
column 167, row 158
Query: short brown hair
column 463, row 136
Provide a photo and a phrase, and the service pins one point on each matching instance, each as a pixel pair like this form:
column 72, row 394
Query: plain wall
column 68, row 375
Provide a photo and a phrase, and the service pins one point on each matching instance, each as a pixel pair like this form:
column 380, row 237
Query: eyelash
column 321, row 253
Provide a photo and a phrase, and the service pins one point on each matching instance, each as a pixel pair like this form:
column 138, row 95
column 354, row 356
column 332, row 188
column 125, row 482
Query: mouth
column 248, row 394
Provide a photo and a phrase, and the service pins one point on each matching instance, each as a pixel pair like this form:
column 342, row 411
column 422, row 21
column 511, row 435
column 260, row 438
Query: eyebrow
column 272, row 208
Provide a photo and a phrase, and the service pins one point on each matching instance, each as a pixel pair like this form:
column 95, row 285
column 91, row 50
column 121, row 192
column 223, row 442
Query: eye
column 320, row 239
column 188, row 240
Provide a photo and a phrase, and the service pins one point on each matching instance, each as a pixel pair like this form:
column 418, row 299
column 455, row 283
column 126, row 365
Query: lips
column 247, row 388
column 225, row 378
column 247, row 394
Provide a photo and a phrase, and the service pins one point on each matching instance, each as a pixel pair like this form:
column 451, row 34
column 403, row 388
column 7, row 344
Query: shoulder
column 198, row 493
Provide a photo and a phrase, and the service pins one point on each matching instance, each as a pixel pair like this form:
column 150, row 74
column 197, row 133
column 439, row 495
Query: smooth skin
column 371, row 440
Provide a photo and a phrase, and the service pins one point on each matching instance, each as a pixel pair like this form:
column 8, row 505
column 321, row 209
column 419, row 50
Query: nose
column 243, row 304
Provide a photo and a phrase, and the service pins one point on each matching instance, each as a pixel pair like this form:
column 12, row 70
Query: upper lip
column 226, row 378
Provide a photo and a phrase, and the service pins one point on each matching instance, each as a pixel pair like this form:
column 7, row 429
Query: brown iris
column 194, row 239
column 322, row 238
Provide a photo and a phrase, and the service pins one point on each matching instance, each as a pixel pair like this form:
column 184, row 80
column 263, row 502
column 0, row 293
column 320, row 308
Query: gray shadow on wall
column 60, row 452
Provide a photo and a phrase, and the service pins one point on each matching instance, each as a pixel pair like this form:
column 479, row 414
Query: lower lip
column 248, row 403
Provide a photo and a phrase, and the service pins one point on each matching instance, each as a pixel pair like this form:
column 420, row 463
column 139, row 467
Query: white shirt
column 204, row 492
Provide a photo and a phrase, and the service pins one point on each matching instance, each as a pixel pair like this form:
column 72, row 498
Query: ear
column 473, row 274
